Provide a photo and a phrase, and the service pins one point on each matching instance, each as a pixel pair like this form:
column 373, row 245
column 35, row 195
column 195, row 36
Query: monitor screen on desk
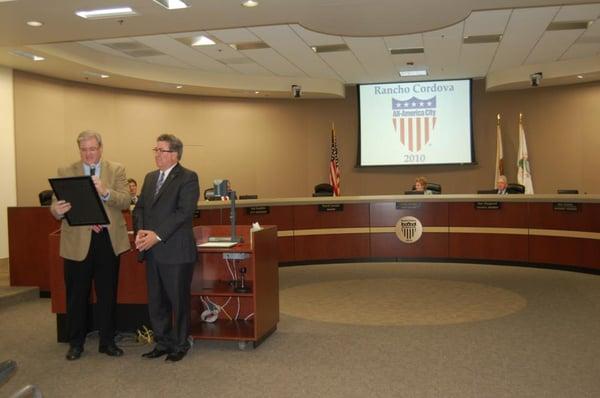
column 415, row 123
column 414, row 192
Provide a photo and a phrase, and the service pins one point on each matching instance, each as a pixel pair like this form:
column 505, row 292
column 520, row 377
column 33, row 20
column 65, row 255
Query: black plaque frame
column 86, row 205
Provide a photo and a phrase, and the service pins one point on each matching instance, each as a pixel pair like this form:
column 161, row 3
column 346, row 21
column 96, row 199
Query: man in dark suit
column 92, row 252
column 163, row 220
column 501, row 185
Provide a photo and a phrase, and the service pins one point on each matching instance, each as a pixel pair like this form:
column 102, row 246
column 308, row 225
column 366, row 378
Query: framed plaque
column 86, row 205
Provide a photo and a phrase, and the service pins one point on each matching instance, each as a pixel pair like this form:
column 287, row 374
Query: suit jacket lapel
column 172, row 175
column 104, row 173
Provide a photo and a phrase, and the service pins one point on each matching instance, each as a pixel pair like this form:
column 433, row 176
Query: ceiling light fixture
column 179, row 86
column 330, row 48
column 35, row 24
column 96, row 74
column 26, row 54
column 569, row 25
column 255, row 45
column 172, row 4
column 250, row 3
column 404, row 51
column 580, row 76
column 413, row 72
column 106, row 13
column 202, row 41
column 482, row 39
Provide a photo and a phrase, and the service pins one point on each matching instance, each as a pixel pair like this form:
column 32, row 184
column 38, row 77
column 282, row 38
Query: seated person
column 421, row 186
column 132, row 184
column 501, row 185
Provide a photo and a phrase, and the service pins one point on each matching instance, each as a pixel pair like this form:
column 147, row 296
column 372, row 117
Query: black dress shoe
column 155, row 353
column 175, row 356
column 111, row 350
column 74, row 353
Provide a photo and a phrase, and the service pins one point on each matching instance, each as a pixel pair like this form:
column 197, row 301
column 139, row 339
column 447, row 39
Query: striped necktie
column 161, row 179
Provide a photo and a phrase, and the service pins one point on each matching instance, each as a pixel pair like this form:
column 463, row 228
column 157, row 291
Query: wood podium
column 247, row 317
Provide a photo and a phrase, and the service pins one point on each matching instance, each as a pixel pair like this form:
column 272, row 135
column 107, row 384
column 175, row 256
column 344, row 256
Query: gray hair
column 175, row 143
column 503, row 179
column 87, row 135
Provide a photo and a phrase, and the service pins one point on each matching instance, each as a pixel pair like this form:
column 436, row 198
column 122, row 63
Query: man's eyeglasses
column 92, row 149
column 160, row 150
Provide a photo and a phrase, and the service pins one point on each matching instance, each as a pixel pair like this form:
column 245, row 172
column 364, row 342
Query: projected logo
column 414, row 120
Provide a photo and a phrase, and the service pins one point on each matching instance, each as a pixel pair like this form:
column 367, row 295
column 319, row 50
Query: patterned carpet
column 355, row 330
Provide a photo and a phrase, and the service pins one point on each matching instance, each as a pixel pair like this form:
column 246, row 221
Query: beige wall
column 8, row 192
column 280, row 148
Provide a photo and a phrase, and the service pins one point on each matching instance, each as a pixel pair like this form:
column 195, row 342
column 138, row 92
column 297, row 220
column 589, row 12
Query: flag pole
column 498, row 122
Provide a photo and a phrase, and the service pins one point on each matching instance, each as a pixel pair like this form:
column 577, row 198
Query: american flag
column 334, row 166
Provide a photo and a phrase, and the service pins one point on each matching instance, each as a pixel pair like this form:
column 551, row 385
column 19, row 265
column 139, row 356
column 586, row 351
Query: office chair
column 209, row 194
column 7, row 369
column 435, row 188
column 323, row 189
column 515, row 189
column 45, row 197
column 567, row 191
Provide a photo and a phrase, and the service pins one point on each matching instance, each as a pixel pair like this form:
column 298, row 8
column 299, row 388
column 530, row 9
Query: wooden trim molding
column 489, row 230
column 565, row 234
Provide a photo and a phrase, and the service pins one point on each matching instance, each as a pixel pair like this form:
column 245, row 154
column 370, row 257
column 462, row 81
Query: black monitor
column 414, row 192
column 487, row 192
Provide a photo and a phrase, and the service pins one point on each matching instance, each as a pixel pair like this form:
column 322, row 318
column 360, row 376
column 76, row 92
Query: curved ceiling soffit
column 457, row 14
column 554, row 73
column 206, row 82
column 353, row 18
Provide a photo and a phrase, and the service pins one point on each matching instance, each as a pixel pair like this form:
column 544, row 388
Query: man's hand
column 97, row 228
column 145, row 239
column 59, row 208
column 99, row 187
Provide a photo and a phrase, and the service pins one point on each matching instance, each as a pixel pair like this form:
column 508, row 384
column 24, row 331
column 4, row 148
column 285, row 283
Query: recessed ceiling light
column 179, row 86
column 482, row 39
column 257, row 92
column 569, row 25
column 413, row 72
column 172, row 4
column 250, row 3
column 106, row 13
column 404, row 51
column 580, row 76
column 96, row 74
column 330, row 48
column 35, row 24
column 254, row 45
column 26, row 54
column 202, row 41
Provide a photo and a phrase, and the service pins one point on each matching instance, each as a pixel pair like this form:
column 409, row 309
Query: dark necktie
column 159, row 183
column 92, row 170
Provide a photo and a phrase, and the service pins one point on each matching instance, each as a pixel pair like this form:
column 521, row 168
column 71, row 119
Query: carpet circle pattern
column 399, row 301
